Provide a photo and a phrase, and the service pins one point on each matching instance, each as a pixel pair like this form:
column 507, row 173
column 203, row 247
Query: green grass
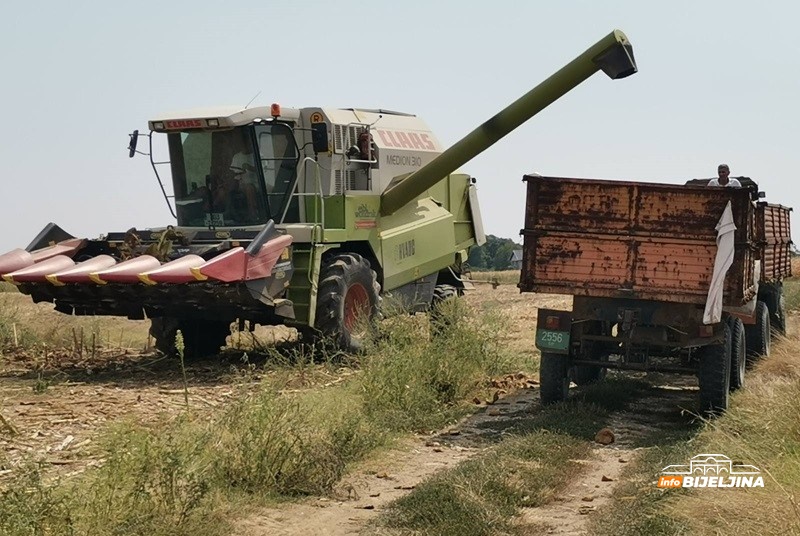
column 413, row 384
column 185, row 474
column 481, row 496
column 791, row 294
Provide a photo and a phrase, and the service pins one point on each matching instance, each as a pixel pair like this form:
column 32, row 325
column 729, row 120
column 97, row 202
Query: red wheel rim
column 356, row 303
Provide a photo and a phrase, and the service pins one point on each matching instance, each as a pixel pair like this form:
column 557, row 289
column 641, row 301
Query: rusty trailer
column 640, row 260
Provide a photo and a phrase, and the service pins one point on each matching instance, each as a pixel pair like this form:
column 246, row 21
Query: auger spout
column 613, row 55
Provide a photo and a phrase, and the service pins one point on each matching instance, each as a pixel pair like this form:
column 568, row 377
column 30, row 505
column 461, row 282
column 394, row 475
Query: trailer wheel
column 200, row 337
column 714, row 375
column 553, row 378
column 348, row 292
column 778, row 320
column 588, row 374
column 757, row 336
column 738, row 352
column 773, row 298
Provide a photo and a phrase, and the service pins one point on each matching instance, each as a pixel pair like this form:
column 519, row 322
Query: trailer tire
column 348, row 289
column 757, row 336
column 714, row 376
column 773, row 298
column 738, row 352
column 201, row 338
column 553, row 378
column 586, row 374
column 778, row 320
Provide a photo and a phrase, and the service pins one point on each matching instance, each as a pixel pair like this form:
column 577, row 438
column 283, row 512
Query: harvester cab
column 301, row 216
column 243, row 167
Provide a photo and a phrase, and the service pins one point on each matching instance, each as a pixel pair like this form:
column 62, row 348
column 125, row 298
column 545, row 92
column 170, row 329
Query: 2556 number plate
column 553, row 341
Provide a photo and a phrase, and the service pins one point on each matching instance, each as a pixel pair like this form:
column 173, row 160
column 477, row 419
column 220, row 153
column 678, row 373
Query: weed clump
column 412, row 381
column 29, row 505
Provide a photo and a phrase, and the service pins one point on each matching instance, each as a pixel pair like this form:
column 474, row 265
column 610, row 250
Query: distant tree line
column 495, row 254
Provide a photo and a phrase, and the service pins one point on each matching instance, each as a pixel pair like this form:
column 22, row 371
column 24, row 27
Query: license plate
column 553, row 341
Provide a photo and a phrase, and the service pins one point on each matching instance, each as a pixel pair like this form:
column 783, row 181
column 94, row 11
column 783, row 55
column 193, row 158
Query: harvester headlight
column 158, row 125
column 212, row 122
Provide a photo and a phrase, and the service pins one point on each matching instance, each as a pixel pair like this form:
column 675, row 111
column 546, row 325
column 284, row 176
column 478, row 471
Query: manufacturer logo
column 711, row 471
column 184, row 123
column 363, row 211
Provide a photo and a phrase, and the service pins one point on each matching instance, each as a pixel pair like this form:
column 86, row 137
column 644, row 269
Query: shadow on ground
column 640, row 411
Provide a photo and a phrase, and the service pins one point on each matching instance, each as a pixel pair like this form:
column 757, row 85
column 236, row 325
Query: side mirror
column 132, row 143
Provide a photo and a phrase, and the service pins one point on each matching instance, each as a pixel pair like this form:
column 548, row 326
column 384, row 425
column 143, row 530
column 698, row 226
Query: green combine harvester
column 297, row 216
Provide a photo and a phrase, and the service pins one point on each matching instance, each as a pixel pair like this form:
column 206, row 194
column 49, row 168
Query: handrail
column 153, row 163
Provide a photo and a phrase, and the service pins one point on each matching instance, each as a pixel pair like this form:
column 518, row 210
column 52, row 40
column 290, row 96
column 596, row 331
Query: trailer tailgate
column 632, row 239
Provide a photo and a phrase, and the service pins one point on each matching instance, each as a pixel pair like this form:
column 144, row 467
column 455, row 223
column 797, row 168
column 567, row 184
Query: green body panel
column 302, row 290
column 416, row 241
column 334, row 212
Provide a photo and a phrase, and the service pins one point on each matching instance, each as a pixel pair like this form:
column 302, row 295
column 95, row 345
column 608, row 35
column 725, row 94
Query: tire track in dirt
column 362, row 496
column 662, row 410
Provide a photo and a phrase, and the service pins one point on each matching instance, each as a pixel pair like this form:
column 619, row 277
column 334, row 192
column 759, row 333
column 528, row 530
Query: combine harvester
column 303, row 217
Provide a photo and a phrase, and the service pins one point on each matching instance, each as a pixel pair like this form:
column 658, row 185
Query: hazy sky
column 717, row 82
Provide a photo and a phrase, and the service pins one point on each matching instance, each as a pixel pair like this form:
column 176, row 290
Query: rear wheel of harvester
column 438, row 318
column 348, row 296
column 553, row 378
column 200, row 337
column 714, row 375
column 757, row 336
column 738, row 352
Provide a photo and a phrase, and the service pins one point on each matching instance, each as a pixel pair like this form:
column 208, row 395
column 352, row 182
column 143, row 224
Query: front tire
column 349, row 293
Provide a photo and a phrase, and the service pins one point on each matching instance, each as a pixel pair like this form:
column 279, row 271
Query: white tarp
column 724, row 259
